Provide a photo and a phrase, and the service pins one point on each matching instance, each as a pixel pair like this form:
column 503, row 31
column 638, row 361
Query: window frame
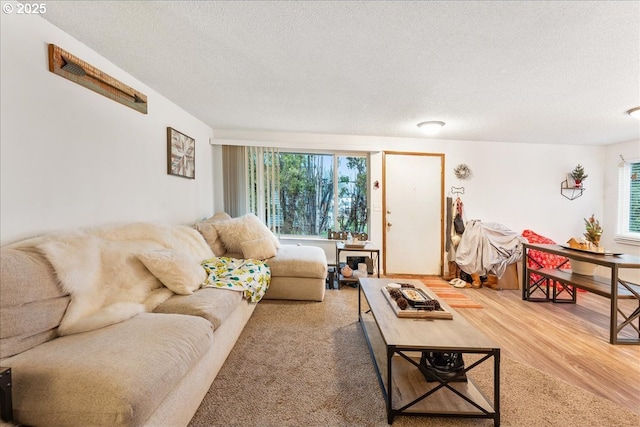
column 623, row 235
column 335, row 154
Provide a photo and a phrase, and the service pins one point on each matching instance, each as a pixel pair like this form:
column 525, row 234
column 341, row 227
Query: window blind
column 262, row 175
column 628, row 221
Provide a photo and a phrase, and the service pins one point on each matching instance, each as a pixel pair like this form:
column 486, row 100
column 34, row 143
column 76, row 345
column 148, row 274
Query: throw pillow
column 258, row 249
column 219, row 216
column 178, row 272
column 237, row 230
column 210, row 234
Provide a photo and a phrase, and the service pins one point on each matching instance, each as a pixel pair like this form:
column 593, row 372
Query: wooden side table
column 6, row 404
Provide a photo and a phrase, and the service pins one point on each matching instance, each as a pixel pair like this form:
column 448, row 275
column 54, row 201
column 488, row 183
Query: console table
column 554, row 282
column 374, row 254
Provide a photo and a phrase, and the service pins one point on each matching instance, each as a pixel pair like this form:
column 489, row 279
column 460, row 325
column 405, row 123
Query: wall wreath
column 462, row 171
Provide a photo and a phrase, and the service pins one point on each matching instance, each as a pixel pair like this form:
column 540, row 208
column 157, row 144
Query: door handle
column 389, row 224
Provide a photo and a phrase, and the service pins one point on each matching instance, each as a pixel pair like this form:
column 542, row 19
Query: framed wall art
column 181, row 154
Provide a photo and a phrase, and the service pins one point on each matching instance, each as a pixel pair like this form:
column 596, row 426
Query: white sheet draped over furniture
column 488, row 248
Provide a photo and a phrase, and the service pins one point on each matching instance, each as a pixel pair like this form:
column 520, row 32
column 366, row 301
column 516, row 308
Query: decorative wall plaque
column 78, row 71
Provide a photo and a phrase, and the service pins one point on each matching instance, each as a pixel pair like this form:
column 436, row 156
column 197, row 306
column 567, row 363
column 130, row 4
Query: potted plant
column 593, row 231
column 578, row 175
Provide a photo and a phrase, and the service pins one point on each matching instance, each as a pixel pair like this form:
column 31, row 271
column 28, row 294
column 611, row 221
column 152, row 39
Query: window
column 352, row 194
column 309, row 193
column 629, row 203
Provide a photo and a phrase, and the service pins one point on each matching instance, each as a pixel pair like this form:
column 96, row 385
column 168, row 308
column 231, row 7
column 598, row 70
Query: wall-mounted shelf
column 570, row 192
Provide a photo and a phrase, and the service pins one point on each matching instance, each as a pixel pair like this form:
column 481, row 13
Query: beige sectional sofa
column 147, row 352
column 297, row 272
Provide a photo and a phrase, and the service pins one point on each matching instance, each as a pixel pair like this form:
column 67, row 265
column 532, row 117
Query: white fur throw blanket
column 101, row 271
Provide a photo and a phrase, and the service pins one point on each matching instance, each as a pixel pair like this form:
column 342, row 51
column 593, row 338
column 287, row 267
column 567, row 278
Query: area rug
column 307, row 364
column 451, row 295
column 444, row 290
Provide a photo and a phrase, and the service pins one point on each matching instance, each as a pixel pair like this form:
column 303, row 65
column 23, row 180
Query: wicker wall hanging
column 75, row 69
column 462, row 171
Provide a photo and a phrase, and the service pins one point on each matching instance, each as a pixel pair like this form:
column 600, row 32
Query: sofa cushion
column 218, row 216
column 33, row 317
column 13, row 345
column 259, row 249
column 19, row 270
column 299, row 261
column 114, row 376
column 211, row 303
column 296, row 288
column 32, row 302
column 178, row 272
column 237, row 230
column 210, row 234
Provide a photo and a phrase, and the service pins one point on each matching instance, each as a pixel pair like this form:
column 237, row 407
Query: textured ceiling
column 561, row 72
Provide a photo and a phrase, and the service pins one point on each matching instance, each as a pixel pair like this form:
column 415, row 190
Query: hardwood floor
column 567, row 341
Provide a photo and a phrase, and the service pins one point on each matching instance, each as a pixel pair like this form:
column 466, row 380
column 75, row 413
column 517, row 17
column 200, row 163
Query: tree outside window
column 319, row 192
column 352, row 194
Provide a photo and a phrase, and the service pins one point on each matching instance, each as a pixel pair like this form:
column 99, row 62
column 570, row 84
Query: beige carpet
column 307, row 364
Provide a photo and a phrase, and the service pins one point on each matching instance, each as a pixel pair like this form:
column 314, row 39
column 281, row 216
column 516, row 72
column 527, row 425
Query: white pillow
column 210, row 234
column 219, row 216
column 242, row 229
column 258, row 249
column 176, row 271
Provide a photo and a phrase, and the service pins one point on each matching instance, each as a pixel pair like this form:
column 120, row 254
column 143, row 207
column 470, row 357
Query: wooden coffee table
column 396, row 345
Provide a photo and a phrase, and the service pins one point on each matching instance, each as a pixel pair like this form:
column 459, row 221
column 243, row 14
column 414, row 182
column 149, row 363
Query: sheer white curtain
column 263, row 184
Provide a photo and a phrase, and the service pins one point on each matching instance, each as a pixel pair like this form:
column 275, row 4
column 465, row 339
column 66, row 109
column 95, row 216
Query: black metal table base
column 6, row 403
column 445, row 382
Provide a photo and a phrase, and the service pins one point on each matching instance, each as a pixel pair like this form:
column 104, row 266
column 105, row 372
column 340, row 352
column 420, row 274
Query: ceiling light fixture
column 431, row 127
column 634, row 112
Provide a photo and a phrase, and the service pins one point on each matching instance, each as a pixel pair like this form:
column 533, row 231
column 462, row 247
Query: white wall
column 517, row 185
column 71, row 157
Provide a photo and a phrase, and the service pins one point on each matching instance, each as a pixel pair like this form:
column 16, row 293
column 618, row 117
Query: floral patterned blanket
column 250, row 276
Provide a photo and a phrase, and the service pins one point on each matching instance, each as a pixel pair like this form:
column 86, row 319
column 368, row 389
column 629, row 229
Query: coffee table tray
column 417, row 313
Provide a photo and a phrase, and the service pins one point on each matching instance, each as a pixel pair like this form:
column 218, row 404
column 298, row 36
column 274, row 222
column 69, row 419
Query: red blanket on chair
column 537, row 259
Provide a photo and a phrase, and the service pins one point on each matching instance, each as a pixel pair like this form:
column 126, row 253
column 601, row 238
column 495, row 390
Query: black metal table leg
column 6, row 403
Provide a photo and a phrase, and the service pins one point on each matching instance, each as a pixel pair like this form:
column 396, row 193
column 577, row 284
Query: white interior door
column 413, row 213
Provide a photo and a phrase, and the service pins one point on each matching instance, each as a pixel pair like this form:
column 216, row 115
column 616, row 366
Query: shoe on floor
column 459, row 283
